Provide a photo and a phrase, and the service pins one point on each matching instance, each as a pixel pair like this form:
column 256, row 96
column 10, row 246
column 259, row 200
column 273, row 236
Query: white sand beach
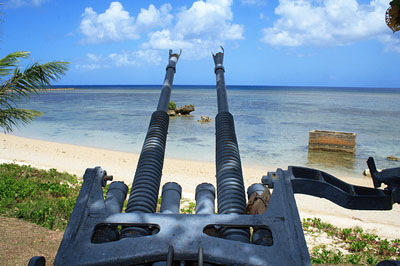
column 75, row 159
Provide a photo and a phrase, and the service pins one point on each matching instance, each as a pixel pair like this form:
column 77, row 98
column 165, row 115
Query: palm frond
column 11, row 61
column 12, row 117
column 34, row 77
column 21, row 84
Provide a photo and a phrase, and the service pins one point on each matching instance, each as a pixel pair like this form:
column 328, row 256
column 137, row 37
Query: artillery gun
column 99, row 233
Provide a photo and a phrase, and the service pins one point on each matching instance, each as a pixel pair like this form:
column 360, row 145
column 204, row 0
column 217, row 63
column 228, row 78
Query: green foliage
column 189, row 209
column 46, row 198
column 364, row 248
column 353, row 259
column 346, row 232
column 392, row 16
column 171, row 105
column 357, row 246
column 320, row 255
column 321, row 226
column 158, row 207
column 15, row 85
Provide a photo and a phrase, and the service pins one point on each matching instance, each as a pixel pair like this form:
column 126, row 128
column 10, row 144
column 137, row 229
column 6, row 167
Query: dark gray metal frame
column 183, row 232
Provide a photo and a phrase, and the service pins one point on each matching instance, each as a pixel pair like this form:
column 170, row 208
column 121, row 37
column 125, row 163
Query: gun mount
column 99, row 233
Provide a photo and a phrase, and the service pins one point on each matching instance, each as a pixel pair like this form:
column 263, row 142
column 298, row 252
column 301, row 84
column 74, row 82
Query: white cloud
column 153, row 17
column 94, row 58
column 326, row 22
column 20, row 3
column 391, row 42
column 201, row 28
column 115, row 24
column 163, row 40
column 89, row 66
column 124, row 58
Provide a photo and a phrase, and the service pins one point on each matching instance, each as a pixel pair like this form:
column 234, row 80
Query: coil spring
column 230, row 185
column 146, row 184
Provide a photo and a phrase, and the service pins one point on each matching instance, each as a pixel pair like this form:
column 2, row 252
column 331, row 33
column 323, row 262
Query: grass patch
column 46, row 198
column 361, row 247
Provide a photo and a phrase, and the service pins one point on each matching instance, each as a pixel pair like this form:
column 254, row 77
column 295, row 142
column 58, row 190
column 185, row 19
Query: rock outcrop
column 171, row 113
column 392, row 158
column 204, row 119
column 185, row 110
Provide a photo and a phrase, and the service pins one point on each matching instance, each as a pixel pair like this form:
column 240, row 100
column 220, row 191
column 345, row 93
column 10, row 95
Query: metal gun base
column 192, row 238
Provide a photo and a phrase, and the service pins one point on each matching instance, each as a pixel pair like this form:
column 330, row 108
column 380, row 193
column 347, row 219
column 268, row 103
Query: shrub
column 46, row 198
column 171, row 105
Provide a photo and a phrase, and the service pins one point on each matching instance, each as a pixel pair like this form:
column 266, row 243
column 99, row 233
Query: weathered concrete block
column 332, row 141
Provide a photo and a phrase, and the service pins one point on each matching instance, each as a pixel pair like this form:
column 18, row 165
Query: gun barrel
column 221, row 88
column 230, row 186
column 146, row 183
column 168, row 80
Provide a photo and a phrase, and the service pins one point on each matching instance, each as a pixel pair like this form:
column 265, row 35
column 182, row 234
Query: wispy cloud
column 120, row 59
column 327, row 22
column 20, row 3
column 254, row 2
column 139, row 57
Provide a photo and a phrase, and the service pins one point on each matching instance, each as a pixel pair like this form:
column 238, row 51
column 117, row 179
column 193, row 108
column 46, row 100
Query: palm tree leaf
column 21, row 84
column 34, row 77
column 12, row 117
column 11, row 61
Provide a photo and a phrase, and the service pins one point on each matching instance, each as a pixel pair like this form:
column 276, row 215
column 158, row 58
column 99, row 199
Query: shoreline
column 75, row 159
column 58, row 89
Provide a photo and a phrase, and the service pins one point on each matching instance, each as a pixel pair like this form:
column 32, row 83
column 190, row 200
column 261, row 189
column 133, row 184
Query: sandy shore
column 75, row 159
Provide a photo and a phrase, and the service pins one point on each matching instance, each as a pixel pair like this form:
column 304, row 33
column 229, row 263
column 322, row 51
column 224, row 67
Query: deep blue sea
column 272, row 123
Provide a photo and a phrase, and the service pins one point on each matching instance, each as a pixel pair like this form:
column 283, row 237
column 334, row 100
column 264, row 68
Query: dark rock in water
column 366, row 172
column 171, row 113
column 204, row 119
column 392, row 158
column 185, row 110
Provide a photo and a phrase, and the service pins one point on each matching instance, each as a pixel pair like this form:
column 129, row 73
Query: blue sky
column 267, row 42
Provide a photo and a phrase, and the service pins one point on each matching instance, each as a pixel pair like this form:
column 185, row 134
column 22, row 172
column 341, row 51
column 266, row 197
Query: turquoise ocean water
column 272, row 123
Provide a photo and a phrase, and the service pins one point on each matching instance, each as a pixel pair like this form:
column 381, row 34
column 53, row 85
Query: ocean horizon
column 272, row 122
column 231, row 87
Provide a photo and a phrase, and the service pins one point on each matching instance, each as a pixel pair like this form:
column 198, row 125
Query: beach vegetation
column 171, row 105
column 349, row 245
column 44, row 197
column 17, row 85
column 188, row 207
